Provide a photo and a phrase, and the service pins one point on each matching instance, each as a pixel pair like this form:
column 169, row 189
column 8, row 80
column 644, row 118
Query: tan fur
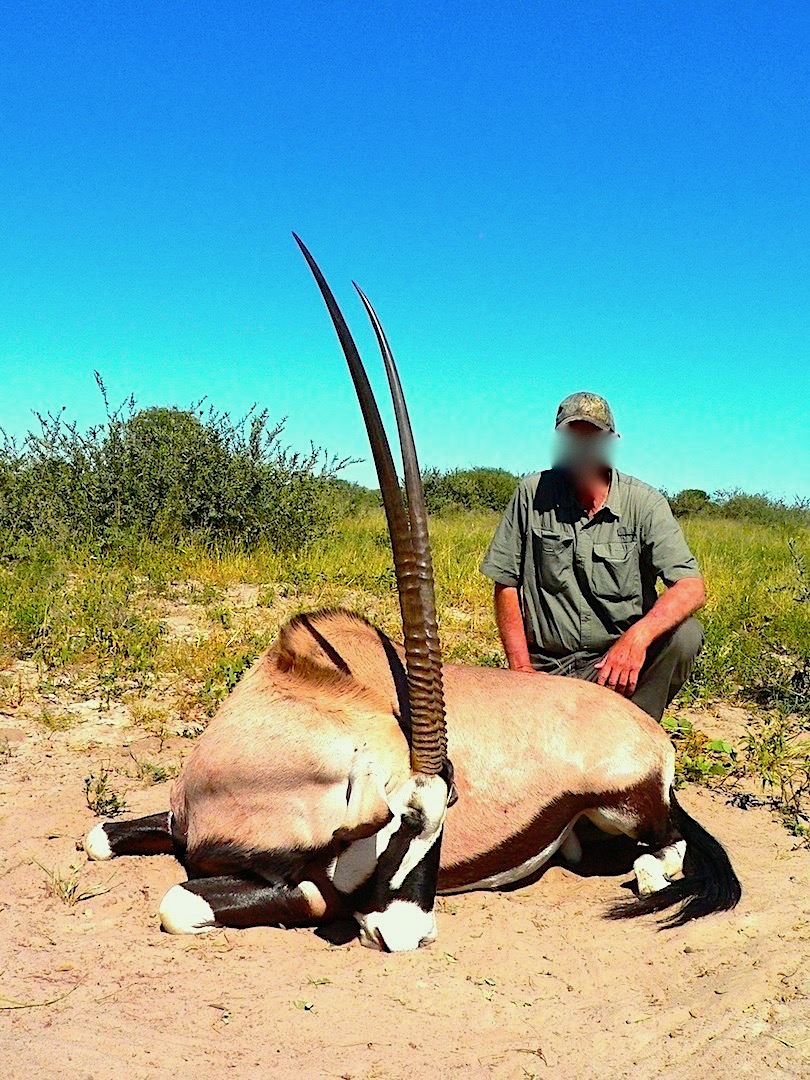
column 272, row 770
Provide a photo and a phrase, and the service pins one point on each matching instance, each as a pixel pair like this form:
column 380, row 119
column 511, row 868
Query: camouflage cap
column 588, row 407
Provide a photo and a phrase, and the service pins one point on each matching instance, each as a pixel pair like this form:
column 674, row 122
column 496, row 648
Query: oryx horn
column 409, row 539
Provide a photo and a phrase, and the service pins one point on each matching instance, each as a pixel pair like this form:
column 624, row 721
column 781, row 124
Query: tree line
column 167, row 473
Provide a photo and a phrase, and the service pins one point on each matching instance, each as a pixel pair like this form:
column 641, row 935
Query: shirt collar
column 613, row 503
column 613, row 500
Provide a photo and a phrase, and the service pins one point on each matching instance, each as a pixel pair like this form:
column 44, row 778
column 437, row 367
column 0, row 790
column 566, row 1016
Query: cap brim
column 586, row 420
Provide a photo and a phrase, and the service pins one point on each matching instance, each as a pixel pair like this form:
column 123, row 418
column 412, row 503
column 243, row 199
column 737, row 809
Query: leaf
column 719, row 746
column 305, row 1006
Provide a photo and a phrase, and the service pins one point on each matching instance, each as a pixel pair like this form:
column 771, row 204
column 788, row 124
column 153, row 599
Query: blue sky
column 538, row 198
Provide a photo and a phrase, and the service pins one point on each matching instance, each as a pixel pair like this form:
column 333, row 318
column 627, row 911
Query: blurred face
column 583, row 448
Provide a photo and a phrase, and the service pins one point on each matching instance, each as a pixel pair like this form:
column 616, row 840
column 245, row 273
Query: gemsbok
column 321, row 788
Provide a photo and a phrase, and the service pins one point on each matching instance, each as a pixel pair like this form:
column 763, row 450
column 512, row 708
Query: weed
column 55, row 721
column 154, row 772
column 151, row 718
column 66, row 885
column 12, row 694
column 100, row 795
column 697, row 757
column 226, row 674
column 776, row 752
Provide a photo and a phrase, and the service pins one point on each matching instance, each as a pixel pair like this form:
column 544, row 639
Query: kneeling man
column 575, row 560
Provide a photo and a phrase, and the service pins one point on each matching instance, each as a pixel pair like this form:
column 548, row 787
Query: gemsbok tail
column 708, row 884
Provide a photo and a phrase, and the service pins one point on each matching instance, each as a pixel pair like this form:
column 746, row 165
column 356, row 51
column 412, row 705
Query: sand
column 530, row 983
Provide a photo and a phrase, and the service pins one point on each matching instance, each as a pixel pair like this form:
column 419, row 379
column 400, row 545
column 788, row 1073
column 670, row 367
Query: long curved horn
column 424, row 655
column 412, row 561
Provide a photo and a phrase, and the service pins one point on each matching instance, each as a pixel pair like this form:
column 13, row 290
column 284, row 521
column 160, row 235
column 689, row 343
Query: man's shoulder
column 538, row 488
column 639, row 495
column 547, row 478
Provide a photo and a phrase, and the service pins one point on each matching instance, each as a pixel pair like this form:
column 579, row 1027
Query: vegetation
column 165, row 474
column 101, row 797
column 150, row 559
column 467, row 489
column 739, row 506
column 65, row 885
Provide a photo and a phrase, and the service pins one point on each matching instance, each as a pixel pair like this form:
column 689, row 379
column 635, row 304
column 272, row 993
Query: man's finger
column 621, row 681
column 604, row 673
column 632, row 682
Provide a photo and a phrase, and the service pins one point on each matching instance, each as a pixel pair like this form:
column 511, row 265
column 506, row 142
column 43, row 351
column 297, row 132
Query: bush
column 740, row 506
column 691, row 501
column 468, row 489
column 164, row 474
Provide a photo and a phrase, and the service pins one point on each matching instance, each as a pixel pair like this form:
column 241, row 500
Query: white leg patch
column 184, row 912
column 671, row 858
column 572, row 849
column 654, row 872
column 649, row 875
column 97, row 844
column 401, row 927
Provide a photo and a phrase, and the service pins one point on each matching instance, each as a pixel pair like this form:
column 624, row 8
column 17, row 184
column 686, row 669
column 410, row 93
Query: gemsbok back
column 321, row 788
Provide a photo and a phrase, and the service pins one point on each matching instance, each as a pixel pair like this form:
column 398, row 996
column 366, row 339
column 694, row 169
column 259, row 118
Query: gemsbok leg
column 150, row 835
column 211, row 903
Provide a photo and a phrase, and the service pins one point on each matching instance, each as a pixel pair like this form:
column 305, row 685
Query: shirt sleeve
column 503, row 561
column 666, row 545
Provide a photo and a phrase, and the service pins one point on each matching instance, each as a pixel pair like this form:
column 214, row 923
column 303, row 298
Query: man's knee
column 686, row 640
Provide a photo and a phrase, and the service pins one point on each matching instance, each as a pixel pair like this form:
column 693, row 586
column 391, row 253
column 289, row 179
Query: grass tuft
column 66, row 885
column 100, row 795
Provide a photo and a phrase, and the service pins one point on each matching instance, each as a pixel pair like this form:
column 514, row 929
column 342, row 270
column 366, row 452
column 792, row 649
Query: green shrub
column 738, row 505
column 468, row 489
column 165, row 474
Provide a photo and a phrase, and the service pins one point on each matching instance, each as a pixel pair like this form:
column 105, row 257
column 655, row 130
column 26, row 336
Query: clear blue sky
column 538, row 198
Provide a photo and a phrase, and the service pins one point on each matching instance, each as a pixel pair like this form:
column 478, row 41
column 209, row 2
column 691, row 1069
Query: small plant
column 697, row 757
column 5, row 750
column 101, row 797
column 155, row 772
column 61, row 721
column 220, row 615
column 11, row 691
column 779, row 757
column 65, row 885
column 226, row 674
column 151, row 718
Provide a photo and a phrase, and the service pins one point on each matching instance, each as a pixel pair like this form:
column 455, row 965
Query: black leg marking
column 234, row 902
column 140, row 836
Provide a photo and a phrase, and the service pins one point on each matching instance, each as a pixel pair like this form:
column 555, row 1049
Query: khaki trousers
column 669, row 661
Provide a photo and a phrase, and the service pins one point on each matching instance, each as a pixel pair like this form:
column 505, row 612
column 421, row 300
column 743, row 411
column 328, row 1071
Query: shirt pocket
column 616, row 575
column 553, row 556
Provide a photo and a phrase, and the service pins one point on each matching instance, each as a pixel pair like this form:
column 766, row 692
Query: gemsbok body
column 323, row 787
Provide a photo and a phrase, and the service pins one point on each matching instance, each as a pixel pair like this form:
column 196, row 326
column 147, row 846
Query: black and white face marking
column 400, row 909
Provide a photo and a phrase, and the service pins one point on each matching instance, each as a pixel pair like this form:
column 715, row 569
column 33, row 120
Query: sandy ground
column 530, row 983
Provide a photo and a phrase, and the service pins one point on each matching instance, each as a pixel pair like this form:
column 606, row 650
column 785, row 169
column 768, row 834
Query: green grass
column 105, row 611
column 105, row 617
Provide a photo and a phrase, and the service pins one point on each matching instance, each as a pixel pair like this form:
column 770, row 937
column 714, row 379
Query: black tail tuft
column 709, row 883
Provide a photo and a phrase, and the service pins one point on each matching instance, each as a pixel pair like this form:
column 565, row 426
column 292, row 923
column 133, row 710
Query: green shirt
column 583, row 581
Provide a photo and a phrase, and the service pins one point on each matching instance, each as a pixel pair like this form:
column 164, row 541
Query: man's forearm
column 510, row 626
column 672, row 608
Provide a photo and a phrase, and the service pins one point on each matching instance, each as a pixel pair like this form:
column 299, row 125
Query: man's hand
column 619, row 668
column 523, row 667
